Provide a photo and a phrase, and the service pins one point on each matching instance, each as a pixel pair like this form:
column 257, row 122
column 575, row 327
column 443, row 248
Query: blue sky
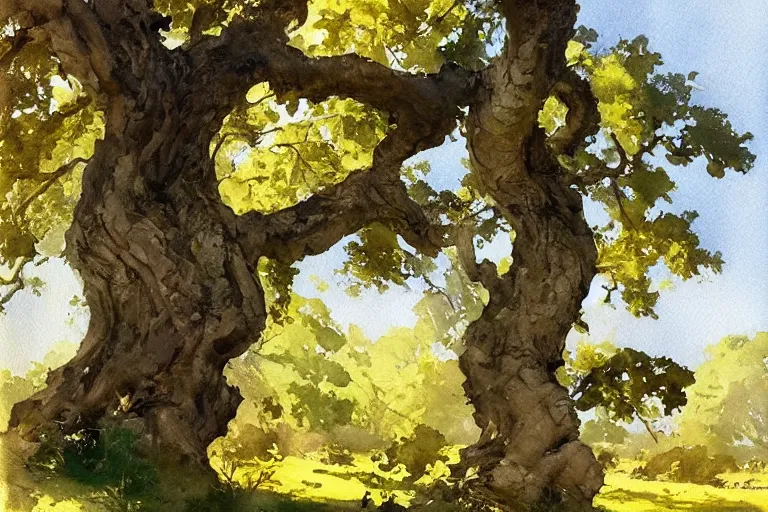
column 726, row 42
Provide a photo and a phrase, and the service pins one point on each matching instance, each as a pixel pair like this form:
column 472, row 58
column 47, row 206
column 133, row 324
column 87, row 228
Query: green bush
column 103, row 459
column 755, row 465
column 690, row 464
column 607, row 459
column 416, row 452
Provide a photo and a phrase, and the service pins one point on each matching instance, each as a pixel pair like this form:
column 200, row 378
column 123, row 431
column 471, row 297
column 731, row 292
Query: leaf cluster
column 633, row 384
column 415, row 35
column 48, row 125
column 649, row 124
column 271, row 155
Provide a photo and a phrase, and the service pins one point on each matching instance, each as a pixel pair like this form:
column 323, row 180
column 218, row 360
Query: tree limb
column 250, row 51
column 15, row 282
column 377, row 194
column 583, row 118
column 424, row 107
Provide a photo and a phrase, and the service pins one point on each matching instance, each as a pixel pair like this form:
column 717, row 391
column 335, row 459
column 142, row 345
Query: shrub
column 103, row 459
column 755, row 465
column 607, row 459
column 688, row 464
column 416, row 452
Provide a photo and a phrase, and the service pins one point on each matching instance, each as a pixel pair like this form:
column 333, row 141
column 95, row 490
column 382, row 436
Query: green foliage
column 410, row 34
column 105, row 458
column 416, row 452
column 14, row 388
column 319, row 409
column 688, row 464
column 727, row 407
column 277, row 280
column 552, row 115
column 607, row 459
column 628, row 255
column 271, row 155
column 602, row 431
column 46, row 122
column 629, row 384
column 645, row 116
column 310, row 379
column 377, row 259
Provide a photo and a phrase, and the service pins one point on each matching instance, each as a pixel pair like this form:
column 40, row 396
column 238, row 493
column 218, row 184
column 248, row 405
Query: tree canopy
column 273, row 152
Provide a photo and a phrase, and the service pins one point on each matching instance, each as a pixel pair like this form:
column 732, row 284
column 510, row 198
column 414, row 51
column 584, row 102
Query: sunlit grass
column 623, row 493
column 309, row 478
column 316, row 485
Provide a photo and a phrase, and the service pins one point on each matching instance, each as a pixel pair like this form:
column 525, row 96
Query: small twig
column 442, row 17
column 619, row 199
column 647, row 426
column 299, row 157
column 597, row 174
column 614, row 287
column 45, row 185
column 394, row 56
column 439, row 290
column 623, row 159
column 263, row 98
column 480, row 212
column 15, row 281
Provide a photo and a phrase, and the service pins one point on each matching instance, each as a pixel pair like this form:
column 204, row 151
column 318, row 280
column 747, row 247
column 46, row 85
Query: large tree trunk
column 171, row 301
column 172, row 296
column 170, row 304
column 168, row 269
column 529, row 450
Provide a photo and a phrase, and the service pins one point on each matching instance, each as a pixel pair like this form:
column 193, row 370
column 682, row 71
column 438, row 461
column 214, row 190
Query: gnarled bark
column 171, row 294
column 529, row 450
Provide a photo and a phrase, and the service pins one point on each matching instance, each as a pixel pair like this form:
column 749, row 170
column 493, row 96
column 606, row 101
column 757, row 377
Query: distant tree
column 15, row 388
column 184, row 141
column 603, row 430
column 688, row 464
column 728, row 406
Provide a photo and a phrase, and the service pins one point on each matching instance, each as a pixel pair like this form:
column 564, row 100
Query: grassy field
column 625, row 494
column 622, row 493
column 316, row 486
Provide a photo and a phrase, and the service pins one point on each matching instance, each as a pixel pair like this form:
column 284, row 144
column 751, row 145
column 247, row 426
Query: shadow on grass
column 677, row 502
column 104, row 473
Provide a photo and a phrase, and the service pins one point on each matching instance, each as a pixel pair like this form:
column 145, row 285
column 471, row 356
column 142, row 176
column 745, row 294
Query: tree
column 727, row 409
column 198, row 174
column 15, row 388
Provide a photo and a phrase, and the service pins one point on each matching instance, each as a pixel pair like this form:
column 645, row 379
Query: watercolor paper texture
column 426, row 255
